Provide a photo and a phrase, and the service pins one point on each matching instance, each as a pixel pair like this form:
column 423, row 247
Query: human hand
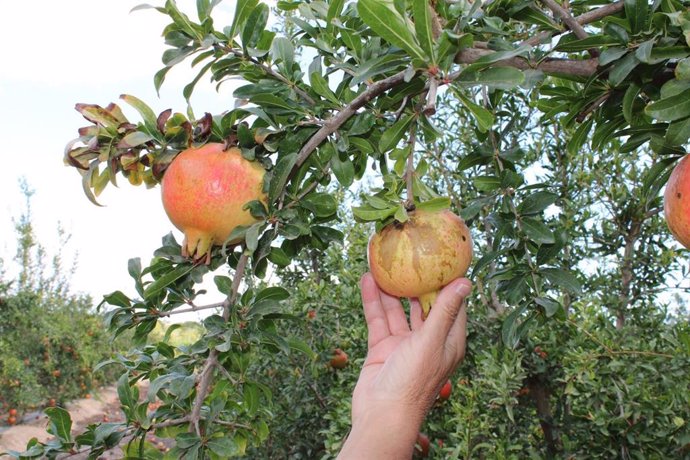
column 407, row 363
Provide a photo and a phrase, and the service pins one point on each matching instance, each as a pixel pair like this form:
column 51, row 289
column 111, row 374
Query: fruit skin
column 677, row 202
column 13, row 412
column 204, row 190
column 446, row 389
column 417, row 258
column 339, row 359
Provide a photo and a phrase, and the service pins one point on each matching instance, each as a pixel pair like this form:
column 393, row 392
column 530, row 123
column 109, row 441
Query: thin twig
column 191, row 309
column 332, row 124
column 202, row 386
column 593, row 106
column 272, row 73
column 206, row 374
column 409, row 169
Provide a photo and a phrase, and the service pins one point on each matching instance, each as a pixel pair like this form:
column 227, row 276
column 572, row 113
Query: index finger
column 375, row 315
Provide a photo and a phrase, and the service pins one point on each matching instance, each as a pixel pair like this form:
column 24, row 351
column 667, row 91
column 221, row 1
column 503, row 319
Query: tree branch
column 332, row 124
column 204, row 378
column 586, row 18
column 569, row 21
column 574, row 67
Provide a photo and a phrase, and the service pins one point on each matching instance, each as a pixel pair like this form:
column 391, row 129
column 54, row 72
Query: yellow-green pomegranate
column 417, row 258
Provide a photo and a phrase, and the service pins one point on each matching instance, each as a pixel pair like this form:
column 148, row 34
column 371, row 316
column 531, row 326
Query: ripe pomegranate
column 677, row 202
column 11, row 420
column 339, row 359
column 446, row 389
column 204, row 190
column 423, row 445
column 419, row 257
column 13, row 412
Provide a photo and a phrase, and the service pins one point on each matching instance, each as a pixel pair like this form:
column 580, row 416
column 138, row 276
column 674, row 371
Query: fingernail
column 463, row 288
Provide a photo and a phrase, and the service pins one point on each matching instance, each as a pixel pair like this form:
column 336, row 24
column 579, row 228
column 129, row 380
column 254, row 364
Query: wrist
column 383, row 433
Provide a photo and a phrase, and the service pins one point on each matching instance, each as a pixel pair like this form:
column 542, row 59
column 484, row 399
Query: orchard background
column 551, row 128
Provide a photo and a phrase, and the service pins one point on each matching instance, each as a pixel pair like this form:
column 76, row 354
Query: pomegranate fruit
column 446, row 389
column 339, row 359
column 422, row 445
column 417, row 258
column 677, row 202
column 204, row 191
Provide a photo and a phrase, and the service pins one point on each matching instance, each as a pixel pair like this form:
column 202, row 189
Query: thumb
column 446, row 308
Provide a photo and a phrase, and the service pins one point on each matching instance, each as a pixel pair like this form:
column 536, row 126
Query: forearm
column 382, row 435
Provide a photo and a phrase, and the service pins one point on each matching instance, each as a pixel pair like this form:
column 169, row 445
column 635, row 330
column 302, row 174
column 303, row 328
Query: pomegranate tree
column 204, row 193
column 417, row 258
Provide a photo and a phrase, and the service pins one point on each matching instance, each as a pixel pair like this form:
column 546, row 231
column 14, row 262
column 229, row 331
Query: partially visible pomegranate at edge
column 204, row 191
column 417, row 258
column 677, row 202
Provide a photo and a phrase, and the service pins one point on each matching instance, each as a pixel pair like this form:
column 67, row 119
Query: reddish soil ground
column 103, row 406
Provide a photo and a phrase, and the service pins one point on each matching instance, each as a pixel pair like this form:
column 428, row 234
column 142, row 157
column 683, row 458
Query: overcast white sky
column 55, row 54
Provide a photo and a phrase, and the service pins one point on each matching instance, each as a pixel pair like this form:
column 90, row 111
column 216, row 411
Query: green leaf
column 636, row 11
column 284, row 52
column 60, row 424
column 274, row 293
column 678, row 132
column 279, row 257
column 392, row 136
column 536, row 202
column 629, row 100
column 562, row 278
column 537, row 231
column 367, row 213
column 610, row 55
column 670, row 109
column 382, row 17
column 511, row 327
column 334, row 9
column 656, row 177
column 144, row 110
column 224, row 447
column 487, row 183
column 435, row 204
column 567, row 45
column 551, row 307
column 344, row 170
column 683, row 69
column 255, row 25
column 270, row 101
column 166, row 280
column 579, row 137
column 281, row 173
column 320, row 85
column 484, row 118
column 133, row 139
column 421, row 10
column 622, row 68
column 321, row 204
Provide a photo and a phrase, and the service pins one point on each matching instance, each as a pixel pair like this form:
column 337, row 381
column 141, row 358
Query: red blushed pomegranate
column 446, row 389
column 204, row 190
column 677, row 202
column 339, row 359
column 417, row 258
